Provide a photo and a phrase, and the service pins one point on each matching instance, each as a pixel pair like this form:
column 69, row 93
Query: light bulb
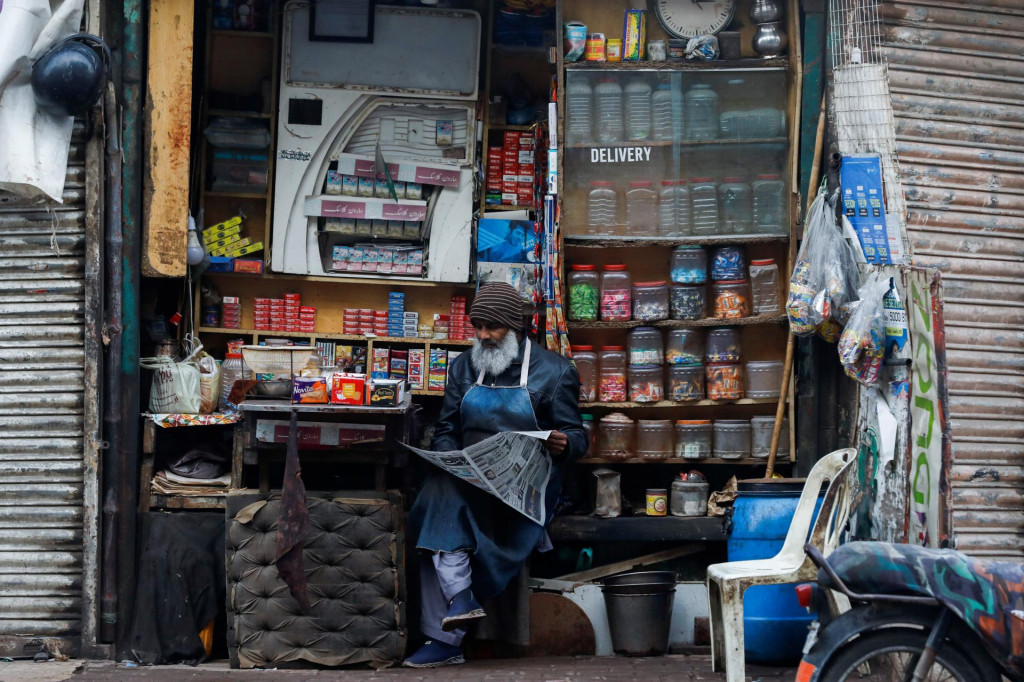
column 194, row 254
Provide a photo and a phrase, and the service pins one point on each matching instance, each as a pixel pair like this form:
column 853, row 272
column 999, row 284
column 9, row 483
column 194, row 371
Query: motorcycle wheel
column 890, row 655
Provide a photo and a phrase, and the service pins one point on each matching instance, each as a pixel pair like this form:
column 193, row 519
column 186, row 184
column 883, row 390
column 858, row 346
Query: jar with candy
column 764, row 286
column 611, row 372
column 723, row 345
column 725, row 381
column 728, row 262
column 654, row 438
column 731, row 438
column 585, row 360
column 616, row 294
column 686, row 383
column 650, row 301
column 590, row 428
column 685, row 347
column 583, row 293
column 646, row 383
column 731, row 298
column 689, row 264
column 688, row 301
column 693, row 438
column 645, row 346
column 616, row 435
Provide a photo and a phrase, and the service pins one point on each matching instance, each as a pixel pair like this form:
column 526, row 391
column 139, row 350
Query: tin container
column 689, row 498
column 657, row 501
column 613, row 49
column 693, row 438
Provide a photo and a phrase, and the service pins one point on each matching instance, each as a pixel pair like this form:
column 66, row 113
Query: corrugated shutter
column 957, row 74
column 42, row 429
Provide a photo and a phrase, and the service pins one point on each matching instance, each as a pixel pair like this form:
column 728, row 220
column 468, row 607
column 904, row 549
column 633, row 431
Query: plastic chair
column 727, row 582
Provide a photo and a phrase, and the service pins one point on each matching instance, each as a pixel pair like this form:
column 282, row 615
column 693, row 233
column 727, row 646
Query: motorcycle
column 917, row 614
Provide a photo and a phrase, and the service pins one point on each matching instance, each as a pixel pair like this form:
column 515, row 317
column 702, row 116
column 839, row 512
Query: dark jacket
column 554, row 388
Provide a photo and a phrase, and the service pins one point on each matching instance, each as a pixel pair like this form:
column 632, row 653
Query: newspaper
column 513, row 466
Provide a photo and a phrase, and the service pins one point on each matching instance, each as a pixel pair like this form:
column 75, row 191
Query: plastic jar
column 761, row 429
column 737, row 210
column 616, row 294
column 666, row 113
column 602, row 208
column 645, row 346
column 728, row 262
column 638, row 110
column 611, row 373
column 689, row 498
column 701, row 113
column 608, row 110
column 231, row 370
column 725, row 381
column 704, row 206
column 689, row 264
column 688, row 301
column 731, row 299
column 686, row 383
column 764, row 287
column 731, row 439
column 641, row 209
column 590, row 428
column 584, row 283
column 585, row 360
column 646, row 383
column 667, row 225
column 579, row 99
column 693, row 438
column 723, row 345
column 616, row 435
column 685, row 347
column 763, row 378
column 650, row 301
column 769, row 204
column 654, row 438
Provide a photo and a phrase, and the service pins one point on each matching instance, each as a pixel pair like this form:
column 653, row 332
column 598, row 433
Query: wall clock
column 689, row 18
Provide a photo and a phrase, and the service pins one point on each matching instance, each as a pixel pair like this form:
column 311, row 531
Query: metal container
column 689, row 498
column 639, row 607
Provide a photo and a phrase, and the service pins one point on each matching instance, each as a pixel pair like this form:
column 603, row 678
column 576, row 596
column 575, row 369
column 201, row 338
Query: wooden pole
column 787, row 367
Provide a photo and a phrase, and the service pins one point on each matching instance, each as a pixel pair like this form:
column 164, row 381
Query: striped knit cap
column 498, row 303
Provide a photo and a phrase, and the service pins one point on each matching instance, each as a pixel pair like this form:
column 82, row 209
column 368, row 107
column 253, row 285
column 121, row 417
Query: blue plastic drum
column 774, row 623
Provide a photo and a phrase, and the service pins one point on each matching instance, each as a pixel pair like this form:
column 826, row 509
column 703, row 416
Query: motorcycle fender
column 858, row 620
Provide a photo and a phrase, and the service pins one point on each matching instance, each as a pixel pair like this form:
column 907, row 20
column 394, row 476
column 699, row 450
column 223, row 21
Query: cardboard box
column 416, row 367
column 381, row 362
column 253, row 266
column 437, row 372
column 347, row 389
column 385, row 392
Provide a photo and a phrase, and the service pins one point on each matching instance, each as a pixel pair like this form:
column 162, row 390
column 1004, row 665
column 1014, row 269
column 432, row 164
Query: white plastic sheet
column 33, row 143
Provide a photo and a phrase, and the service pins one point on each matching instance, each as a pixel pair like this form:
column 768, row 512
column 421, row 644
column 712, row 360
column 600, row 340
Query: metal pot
column 642, row 578
column 764, row 11
column 770, row 40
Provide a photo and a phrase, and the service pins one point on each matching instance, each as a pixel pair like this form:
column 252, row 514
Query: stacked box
column 440, row 328
column 231, row 312
column 416, row 367
column 380, row 322
column 370, row 258
column 284, row 315
column 511, row 170
column 381, row 363
column 396, row 313
column 457, row 318
column 350, row 321
column 452, row 354
column 399, row 367
column 437, row 372
column 410, row 321
column 326, row 351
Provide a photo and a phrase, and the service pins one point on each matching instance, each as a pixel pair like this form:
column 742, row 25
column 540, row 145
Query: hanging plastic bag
column 862, row 344
column 824, row 281
column 175, row 388
column 209, row 383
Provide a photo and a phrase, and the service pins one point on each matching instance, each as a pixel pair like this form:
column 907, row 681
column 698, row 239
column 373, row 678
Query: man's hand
column 556, row 442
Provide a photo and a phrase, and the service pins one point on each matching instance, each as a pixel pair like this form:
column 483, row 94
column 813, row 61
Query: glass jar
column 731, row 438
column 645, row 346
column 650, row 301
column 769, row 204
column 701, row 113
column 583, row 286
column 585, row 360
column 728, row 262
column 764, row 287
column 725, row 381
column 616, row 435
column 689, row 264
column 590, row 428
column 602, row 208
column 231, row 370
column 688, row 301
column 723, row 345
column 686, row 383
column 616, row 294
column 704, row 206
column 646, row 383
column 608, row 110
column 685, row 347
column 693, row 438
column 764, row 378
column 641, row 209
column 731, row 299
column 638, row 110
column 654, row 438
column 737, row 212
column 761, row 429
column 611, row 372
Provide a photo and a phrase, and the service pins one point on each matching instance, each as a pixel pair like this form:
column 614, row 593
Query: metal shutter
column 956, row 74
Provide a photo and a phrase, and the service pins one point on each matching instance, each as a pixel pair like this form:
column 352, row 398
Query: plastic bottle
column 641, row 209
column 769, row 204
column 667, row 225
column 701, row 108
column 704, row 202
column 602, row 208
column 638, row 110
column 737, row 212
column 608, row 110
column 579, row 103
column 666, row 113
column 764, row 286
column 231, row 370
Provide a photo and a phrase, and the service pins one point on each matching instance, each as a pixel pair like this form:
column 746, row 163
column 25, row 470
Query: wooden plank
column 168, row 135
column 628, row 564
column 637, row 529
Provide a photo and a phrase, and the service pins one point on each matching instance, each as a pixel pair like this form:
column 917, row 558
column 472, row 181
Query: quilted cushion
column 354, row 562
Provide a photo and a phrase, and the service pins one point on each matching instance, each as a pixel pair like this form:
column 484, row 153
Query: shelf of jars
column 676, row 404
column 678, row 143
column 752, row 64
column 681, row 324
column 603, row 241
column 743, row 461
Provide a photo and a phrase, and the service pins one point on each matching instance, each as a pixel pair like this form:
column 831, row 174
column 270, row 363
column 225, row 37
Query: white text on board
column 620, row 154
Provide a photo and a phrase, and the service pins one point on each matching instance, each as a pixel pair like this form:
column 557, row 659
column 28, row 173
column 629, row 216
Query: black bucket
column 639, row 607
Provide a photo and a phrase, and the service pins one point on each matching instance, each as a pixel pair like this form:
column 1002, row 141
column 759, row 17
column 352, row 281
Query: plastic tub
column 686, row 383
column 689, row 498
column 764, row 287
column 645, row 346
column 731, row 438
column 646, row 383
column 693, row 438
column 728, row 263
column 689, row 264
column 654, row 438
column 761, row 429
column 616, row 434
column 723, row 345
column 724, row 381
column 685, row 347
column 688, row 301
column 616, row 294
column 763, row 378
column 731, row 299
column 585, row 360
column 584, row 284
column 650, row 301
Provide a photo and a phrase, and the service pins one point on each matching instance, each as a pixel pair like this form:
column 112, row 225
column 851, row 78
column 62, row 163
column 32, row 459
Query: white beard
column 493, row 361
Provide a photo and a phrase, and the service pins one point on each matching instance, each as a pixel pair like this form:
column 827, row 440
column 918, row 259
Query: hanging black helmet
column 70, row 77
